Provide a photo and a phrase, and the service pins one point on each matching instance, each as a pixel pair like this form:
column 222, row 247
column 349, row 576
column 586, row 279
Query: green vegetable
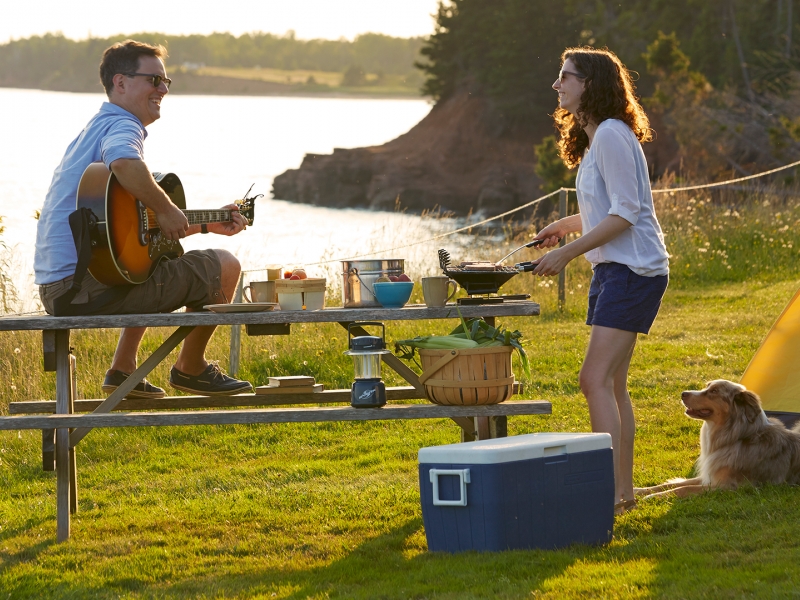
column 470, row 333
column 439, row 342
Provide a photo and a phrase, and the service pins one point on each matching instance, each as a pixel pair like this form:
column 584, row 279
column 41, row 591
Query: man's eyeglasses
column 562, row 72
column 154, row 79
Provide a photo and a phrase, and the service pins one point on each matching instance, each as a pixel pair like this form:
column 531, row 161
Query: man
column 135, row 80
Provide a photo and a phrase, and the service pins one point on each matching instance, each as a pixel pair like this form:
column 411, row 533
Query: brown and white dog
column 738, row 443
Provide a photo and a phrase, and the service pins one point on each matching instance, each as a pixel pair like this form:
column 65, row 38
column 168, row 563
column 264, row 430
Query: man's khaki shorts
column 193, row 280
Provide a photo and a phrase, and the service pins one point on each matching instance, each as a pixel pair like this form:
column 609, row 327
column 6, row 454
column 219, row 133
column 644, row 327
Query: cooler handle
column 463, row 477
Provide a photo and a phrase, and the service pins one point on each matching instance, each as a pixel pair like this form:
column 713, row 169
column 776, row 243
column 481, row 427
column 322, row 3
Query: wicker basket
column 467, row 377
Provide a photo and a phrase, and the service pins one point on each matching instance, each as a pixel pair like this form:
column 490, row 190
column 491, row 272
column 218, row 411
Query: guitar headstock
column 247, row 206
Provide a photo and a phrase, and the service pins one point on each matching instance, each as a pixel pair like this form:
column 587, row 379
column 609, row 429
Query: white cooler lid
column 518, row 447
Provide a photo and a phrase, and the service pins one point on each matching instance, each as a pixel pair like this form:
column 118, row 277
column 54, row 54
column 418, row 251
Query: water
column 218, row 146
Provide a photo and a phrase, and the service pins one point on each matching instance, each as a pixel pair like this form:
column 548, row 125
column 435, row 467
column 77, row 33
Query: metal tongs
column 528, row 245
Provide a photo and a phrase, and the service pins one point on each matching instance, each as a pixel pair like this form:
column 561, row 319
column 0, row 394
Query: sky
column 309, row 19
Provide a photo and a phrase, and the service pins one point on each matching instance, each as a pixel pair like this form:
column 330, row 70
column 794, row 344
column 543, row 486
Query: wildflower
column 17, row 350
column 273, row 356
column 13, row 387
column 305, row 363
column 702, row 249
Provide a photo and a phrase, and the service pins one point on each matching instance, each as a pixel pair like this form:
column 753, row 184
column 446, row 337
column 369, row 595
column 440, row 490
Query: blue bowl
column 393, row 294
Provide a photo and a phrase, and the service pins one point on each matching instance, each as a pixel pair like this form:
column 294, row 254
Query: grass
column 332, row 510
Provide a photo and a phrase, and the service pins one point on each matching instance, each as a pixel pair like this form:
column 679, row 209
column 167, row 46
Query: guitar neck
column 199, row 217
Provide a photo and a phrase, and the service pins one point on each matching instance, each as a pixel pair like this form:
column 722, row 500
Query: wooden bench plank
column 327, row 315
column 275, row 415
column 188, row 402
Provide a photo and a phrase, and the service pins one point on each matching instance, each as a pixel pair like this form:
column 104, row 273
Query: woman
column 601, row 125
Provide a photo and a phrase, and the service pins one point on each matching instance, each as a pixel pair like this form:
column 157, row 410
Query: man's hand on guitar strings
column 235, row 225
column 172, row 222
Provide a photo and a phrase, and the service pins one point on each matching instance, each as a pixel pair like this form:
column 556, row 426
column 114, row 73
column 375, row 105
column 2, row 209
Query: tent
column 774, row 371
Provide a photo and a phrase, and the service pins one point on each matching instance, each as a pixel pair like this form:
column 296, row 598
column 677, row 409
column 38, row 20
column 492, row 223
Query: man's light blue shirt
column 113, row 133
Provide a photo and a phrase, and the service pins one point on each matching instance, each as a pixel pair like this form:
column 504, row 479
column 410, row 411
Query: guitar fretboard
column 198, row 217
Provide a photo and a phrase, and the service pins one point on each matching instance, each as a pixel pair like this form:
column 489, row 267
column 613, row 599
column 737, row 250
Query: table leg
column 49, row 435
column 498, row 427
column 63, row 393
column 482, row 428
column 73, row 464
column 48, row 449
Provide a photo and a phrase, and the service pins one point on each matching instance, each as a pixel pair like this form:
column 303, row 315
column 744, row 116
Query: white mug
column 435, row 290
column 261, row 291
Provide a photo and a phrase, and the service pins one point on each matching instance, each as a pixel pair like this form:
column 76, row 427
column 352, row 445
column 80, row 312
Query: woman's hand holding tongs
column 554, row 261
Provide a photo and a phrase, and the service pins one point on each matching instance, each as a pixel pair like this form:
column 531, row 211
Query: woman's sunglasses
column 154, row 79
column 562, row 72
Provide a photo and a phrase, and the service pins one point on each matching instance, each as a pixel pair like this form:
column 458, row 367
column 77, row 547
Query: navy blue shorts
column 621, row 299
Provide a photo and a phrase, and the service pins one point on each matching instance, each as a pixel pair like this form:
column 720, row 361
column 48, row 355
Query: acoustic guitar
column 126, row 240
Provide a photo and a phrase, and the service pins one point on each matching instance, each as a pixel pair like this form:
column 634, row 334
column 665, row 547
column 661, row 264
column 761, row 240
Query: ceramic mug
column 260, row 291
column 435, row 290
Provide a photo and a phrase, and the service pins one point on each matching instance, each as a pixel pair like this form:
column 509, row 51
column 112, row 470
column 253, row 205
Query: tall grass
column 8, row 292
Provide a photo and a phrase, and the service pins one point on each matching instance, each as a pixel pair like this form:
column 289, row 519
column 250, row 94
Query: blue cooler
column 541, row 490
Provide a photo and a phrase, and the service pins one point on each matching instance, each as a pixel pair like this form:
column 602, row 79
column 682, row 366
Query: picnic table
column 61, row 421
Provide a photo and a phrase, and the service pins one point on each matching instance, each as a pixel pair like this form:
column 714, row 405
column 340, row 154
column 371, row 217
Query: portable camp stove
column 481, row 283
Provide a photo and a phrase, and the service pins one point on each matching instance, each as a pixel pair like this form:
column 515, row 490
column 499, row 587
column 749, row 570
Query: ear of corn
column 470, row 333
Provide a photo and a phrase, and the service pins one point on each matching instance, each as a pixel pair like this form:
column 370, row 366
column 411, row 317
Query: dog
column 739, row 445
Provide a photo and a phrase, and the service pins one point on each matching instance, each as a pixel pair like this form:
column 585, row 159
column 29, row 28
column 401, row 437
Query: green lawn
column 332, row 510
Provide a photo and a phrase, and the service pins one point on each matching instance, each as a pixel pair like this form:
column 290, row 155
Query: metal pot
column 359, row 275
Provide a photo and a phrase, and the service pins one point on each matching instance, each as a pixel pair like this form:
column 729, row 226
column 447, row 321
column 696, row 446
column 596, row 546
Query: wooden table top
column 518, row 308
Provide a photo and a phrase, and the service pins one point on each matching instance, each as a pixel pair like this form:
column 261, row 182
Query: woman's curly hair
column 608, row 94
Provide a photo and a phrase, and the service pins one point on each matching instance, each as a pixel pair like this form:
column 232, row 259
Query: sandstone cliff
column 455, row 158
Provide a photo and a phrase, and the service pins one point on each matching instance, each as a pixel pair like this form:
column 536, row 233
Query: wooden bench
column 476, row 422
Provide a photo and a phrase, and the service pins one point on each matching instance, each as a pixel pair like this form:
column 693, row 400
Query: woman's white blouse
column 613, row 180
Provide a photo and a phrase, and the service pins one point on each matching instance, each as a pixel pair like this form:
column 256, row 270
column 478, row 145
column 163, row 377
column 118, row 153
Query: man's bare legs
column 603, row 380
column 191, row 359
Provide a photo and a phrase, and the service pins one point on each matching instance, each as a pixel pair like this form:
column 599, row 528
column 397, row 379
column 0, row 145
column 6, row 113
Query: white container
column 301, row 294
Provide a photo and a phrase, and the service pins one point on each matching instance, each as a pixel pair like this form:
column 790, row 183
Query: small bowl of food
column 393, row 294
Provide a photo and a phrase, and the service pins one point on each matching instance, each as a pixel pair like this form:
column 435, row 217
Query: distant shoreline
column 216, row 85
column 335, row 95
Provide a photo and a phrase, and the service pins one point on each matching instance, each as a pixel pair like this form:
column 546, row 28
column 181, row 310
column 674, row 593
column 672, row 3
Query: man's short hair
column 123, row 57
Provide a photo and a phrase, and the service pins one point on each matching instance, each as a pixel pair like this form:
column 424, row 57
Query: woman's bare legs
column 603, row 380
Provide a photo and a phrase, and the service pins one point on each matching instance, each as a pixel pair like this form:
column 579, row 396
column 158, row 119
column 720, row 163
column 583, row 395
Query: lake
column 219, row 146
